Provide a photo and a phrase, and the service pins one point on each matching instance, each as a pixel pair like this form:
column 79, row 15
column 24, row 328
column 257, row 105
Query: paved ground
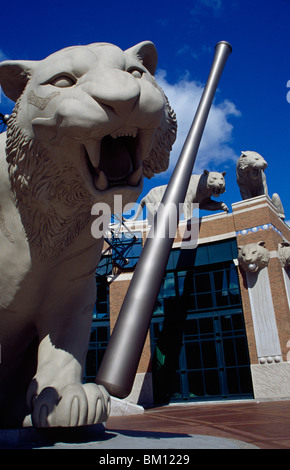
column 265, row 424
column 236, row 425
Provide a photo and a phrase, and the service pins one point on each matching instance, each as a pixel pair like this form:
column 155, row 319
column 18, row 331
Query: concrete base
column 271, row 381
column 28, row 437
column 96, row 437
column 142, row 390
column 123, row 407
column 31, row 438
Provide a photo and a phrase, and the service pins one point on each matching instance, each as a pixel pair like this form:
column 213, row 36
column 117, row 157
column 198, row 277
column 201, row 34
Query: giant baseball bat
column 120, row 362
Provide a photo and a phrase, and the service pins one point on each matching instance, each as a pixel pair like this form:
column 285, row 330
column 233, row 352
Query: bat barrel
column 120, row 362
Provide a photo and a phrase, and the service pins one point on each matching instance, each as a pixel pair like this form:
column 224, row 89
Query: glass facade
column 198, row 338
column 200, row 288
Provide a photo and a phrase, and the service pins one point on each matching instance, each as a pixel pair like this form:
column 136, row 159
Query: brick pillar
column 265, row 301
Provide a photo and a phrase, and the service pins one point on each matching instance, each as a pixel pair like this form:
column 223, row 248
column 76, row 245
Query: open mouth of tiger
column 116, row 160
column 255, row 172
column 252, row 267
column 216, row 192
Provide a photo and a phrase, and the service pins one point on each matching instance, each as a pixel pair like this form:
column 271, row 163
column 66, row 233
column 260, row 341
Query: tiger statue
column 89, row 122
column 253, row 256
column 251, row 179
column 200, row 189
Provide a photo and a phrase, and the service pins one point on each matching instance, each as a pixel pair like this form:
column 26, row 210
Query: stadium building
column 217, row 331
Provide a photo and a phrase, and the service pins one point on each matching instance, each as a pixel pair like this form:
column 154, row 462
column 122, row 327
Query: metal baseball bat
column 120, row 362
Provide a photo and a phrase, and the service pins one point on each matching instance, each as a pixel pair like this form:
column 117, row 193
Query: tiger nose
column 119, row 93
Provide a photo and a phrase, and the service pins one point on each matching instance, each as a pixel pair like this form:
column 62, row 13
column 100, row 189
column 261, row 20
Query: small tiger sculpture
column 253, row 256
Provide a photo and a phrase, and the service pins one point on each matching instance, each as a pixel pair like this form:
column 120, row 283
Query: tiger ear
column 146, row 53
column 14, row 75
column 205, row 172
column 261, row 243
column 224, row 173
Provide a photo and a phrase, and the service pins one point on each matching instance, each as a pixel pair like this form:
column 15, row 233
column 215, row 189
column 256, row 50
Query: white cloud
column 215, row 148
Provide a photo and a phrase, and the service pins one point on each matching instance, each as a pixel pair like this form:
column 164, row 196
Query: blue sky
column 250, row 111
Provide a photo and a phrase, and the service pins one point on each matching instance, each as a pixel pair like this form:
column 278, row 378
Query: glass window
column 195, row 384
column 233, row 384
column 105, row 266
column 201, row 288
column 226, row 324
column 209, row 357
column 212, row 383
column 193, row 354
column 99, row 339
column 199, row 334
column 202, row 283
column 204, row 301
column 159, row 307
column 233, row 283
column 169, row 285
column 203, row 255
column 229, row 352
column 102, row 307
column 191, row 327
column 220, row 252
column 238, row 322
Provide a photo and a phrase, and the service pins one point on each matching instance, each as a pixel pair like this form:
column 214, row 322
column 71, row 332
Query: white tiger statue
column 251, row 179
column 253, row 256
column 89, row 121
column 200, row 189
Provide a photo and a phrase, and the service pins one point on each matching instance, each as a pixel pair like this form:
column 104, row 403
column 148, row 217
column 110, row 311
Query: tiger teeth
column 93, row 149
column 134, row 177
column 125, row 132
column 101, row 181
